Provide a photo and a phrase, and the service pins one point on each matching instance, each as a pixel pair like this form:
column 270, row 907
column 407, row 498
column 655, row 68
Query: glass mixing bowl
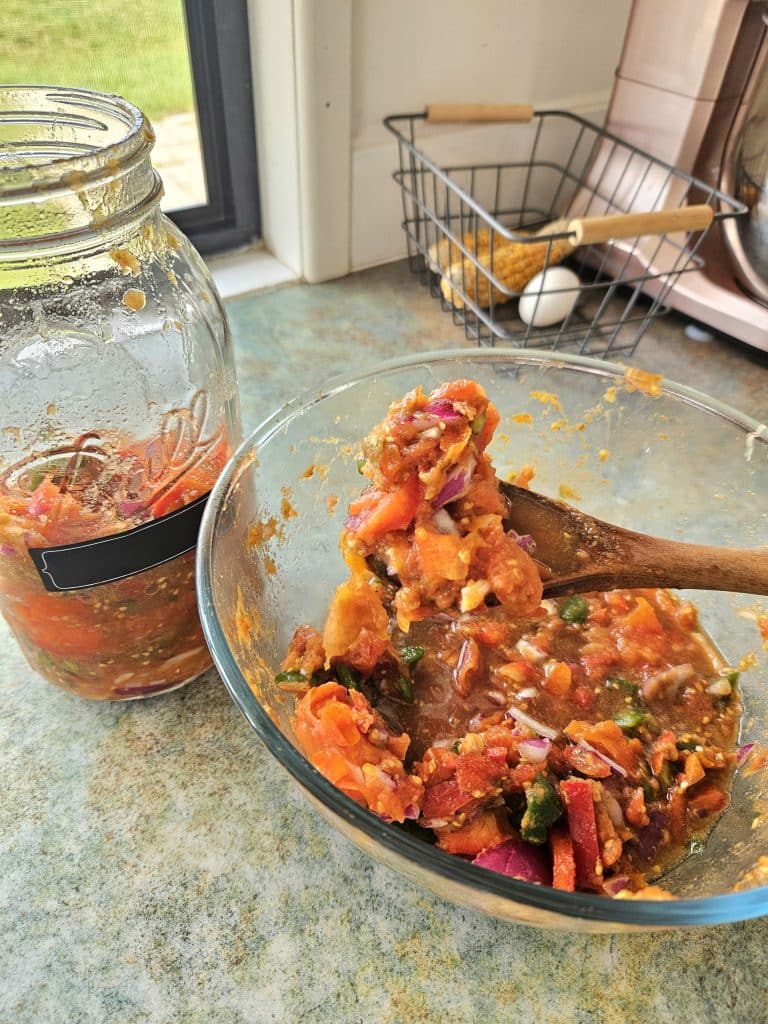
column 679, row 465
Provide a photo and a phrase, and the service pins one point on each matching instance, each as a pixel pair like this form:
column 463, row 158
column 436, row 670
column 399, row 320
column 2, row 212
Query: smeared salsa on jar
column 585, row 743
column 133, row 636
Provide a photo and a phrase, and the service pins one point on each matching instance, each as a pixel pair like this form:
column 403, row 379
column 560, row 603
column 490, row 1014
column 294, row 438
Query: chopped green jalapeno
column 634, row 718
column 290, row 677
column 405, row 688
column 617, row 683
column 411, row 655
column 575, row 609
column 478, row 423
column 732, row 677
column 348, row 677
column 455, row 747
column 360, row 464
column 544, row 808
column 665, row 775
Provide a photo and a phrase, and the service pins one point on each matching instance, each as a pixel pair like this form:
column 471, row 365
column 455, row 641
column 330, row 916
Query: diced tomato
column 469, row 392
column 558, row 678
column 438, row 555
column 693, row 769
column 608, row 738
column 584, row 697
column 643, row 617
column 197, row 481
column 563, row 861
column 596, row 665
column 485, row 829
column 663, row 749
column 366, row 650
column 512, row 573
column 615, row 600
column 577, row 795
column 600, row 616
column 489, row 632
column 585, row 762
column 478, row 773
column 675, row 811
column 305, row 651
column 635, row 811
column 445, row 799
column 523, row 773
column 707, row 799
column 43, row 497
column 332, row 727
column 483, row 495
column 356, row 606
column 377, row 512
column 63, row 626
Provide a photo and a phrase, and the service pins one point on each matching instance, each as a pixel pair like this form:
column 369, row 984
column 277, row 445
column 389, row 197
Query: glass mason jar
column 118, row 400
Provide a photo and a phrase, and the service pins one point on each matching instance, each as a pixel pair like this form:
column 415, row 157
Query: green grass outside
column 135, row 48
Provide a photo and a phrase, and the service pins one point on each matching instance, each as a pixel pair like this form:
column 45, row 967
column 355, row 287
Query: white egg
column 545, row 300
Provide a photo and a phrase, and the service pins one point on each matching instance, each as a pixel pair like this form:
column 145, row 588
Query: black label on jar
column 91, row 563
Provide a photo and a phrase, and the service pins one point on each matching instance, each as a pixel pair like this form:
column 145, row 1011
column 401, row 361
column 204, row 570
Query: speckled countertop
column 158, row 865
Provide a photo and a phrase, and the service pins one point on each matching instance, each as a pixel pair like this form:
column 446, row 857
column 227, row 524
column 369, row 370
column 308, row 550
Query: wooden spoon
column 578, row 553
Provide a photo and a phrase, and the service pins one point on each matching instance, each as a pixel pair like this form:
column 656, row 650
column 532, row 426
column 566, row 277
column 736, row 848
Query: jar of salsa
column 119, row 400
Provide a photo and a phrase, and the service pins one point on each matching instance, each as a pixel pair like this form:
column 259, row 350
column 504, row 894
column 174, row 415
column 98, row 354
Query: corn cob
column 514, row 265
column 441, row 254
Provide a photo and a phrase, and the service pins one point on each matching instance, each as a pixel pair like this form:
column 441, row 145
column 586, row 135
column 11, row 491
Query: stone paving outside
column 177, row 157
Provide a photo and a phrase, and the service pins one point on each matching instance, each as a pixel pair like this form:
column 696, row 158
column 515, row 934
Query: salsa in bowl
column 269, row 561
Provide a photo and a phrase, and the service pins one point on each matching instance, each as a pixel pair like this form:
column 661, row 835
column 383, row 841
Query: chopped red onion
column 7, row 550
column 743, row 753
column 532, row 723
column 411, row 812
column 535, row 751
column 613, row 807
column 667, row 683
column 129, row 508
column 433, row 822
column 720, row 688
column 38, row 502
column 444, row 409
column 524, row 540
column 451, row 490
column 617, row 884
column 611, row 764
column 650, row 838
column 517, row 859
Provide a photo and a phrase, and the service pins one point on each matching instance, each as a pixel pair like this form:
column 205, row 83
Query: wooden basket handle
column 591, row 230
column 482, row 113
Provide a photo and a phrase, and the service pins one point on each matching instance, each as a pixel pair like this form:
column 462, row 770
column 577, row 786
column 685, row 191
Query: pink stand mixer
column 692, row 89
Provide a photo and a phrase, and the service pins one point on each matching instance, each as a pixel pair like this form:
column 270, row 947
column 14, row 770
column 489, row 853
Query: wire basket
column 556, row 189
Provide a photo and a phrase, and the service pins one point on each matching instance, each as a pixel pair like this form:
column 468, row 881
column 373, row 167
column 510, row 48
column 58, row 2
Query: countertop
column 158, row 865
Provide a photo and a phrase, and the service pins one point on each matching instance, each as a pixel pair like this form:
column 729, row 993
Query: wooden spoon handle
column 482, row 113
column 656, row 562
column 700, row 566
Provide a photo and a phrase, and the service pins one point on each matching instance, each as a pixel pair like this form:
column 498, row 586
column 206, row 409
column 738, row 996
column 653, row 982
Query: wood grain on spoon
column 580, row 553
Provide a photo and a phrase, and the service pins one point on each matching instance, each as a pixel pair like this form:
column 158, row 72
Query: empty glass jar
column 118, row 400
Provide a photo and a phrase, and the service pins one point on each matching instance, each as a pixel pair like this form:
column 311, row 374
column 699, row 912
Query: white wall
column 406, row 53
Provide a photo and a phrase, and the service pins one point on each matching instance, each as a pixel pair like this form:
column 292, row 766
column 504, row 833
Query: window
column 186, row 63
